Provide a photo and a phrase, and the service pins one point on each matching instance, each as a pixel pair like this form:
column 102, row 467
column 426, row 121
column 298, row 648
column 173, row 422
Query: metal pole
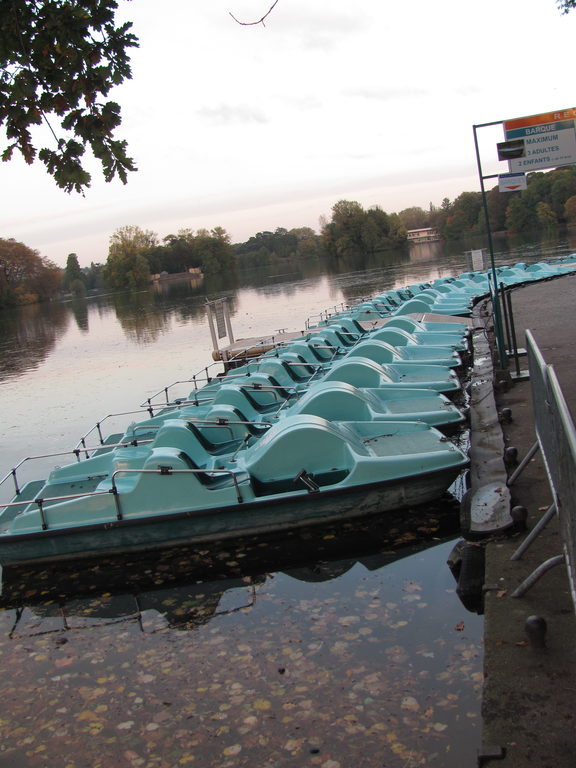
column 537, row 574
column 513, row 332
column 500, row 343
column 211, row 326
column 506, row 317
column 535, row 532
column 227, row 321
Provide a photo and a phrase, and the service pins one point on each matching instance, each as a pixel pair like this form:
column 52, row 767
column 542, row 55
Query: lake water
column 345, row 647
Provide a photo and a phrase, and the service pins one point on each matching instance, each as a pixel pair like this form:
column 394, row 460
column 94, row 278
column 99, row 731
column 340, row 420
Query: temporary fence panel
column 556, row 438
column 560, row 452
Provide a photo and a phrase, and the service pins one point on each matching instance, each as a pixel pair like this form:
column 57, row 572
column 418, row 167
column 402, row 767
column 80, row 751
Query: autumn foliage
column 58, row 62
column 25, row 276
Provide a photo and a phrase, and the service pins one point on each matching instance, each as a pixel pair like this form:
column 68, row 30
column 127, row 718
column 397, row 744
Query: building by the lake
column 423, row 235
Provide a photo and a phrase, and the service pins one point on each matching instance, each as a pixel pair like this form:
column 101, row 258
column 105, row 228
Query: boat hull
column 204, row 525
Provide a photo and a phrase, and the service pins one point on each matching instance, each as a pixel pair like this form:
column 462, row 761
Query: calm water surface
column 332, row 649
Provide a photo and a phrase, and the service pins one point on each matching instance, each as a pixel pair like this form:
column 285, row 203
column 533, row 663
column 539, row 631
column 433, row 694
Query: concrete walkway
column 529, row 712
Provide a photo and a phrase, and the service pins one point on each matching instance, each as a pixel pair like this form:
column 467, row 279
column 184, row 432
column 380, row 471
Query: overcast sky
column 253, row 128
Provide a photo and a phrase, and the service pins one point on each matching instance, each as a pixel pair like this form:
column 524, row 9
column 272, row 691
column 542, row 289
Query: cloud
column 226, row 114
column 386, row 94
column 299, row 25
column 328, row 24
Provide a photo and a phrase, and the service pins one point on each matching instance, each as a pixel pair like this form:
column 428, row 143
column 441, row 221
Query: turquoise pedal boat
column 364, row 372
column 398, row 337
column 304, row 470
column 236, row 411
column 381, row 351
column 339, row 401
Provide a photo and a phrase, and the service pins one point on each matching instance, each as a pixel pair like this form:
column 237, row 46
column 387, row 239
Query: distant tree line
column 269, row 247
column 350, row 230
column 548, row 201
column 136, row 254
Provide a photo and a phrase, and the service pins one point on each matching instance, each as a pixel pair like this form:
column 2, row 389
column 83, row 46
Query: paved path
column 529, row 694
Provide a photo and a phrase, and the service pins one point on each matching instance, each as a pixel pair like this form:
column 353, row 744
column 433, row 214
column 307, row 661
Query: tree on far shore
column 570, row 210
column 74, row 279
column 126, row 266
column 355, row 230
column 25, row 276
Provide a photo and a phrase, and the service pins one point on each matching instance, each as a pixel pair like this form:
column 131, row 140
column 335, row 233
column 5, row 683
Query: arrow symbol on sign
column 510, row 182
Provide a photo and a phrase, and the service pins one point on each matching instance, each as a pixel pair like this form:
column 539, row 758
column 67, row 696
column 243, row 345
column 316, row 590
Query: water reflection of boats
column 183, row 607
column 185, row 589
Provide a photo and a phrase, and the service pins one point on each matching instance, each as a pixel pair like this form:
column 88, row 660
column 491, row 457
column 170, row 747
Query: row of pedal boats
column 352, row 418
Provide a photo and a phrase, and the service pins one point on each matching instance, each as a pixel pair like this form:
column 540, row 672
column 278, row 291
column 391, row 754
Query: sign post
column 549, row 140
column 498, row 326
column 532, row 143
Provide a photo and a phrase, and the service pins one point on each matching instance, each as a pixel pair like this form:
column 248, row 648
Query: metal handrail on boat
column 147, row 406
column 148, row 403
column 81, row 444
column 195, row 380
column 326, row 313
column 164, row 471
column 220, row 422
column 75, row 452
column 258, row 387
column 41, row 502
column 164, row 391
column 251, row 366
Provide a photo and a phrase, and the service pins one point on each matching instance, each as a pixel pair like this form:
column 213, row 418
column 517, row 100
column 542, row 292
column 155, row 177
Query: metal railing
column 513, row 351
column 43, row 503
column 251, row 366
column 82, row 448
column 556, row 439
column 324, row 315
column 13, row 473
column 169, row 472
column 218, row 423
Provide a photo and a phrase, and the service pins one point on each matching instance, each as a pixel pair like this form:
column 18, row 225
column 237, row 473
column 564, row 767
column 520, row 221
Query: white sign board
column 512, row 182
column 220, row 320
column 477, row 259
column 549, row 139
